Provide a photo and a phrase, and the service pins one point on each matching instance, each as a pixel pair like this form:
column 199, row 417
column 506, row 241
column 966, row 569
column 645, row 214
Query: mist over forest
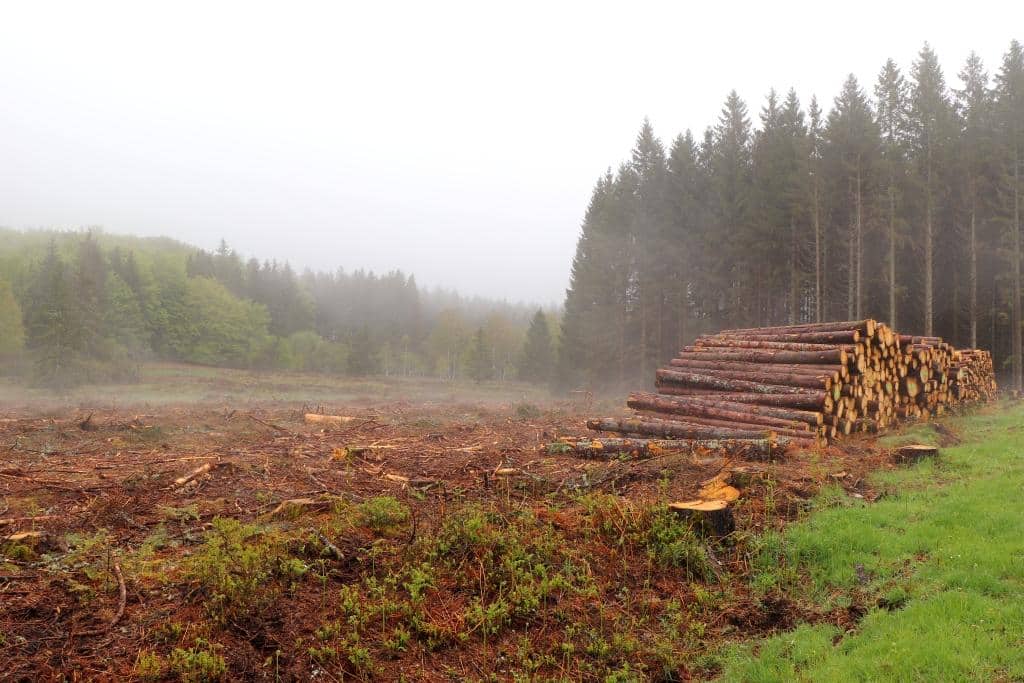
column 899, row 200
column 84, row 306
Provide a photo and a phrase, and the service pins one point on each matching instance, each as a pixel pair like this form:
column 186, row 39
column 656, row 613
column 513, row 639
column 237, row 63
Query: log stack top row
column 808, row 384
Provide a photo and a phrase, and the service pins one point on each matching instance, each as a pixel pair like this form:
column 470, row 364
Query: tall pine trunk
column 893, row 323
column 851, row 275
column 929, row 251
column 860, row 248
column 794, row 277
column 1016, row 318
column 972, row 273
column 817, row 256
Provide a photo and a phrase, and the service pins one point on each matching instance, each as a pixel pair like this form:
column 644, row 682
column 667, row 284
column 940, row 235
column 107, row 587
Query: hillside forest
column 84, row 306
column 901, row 202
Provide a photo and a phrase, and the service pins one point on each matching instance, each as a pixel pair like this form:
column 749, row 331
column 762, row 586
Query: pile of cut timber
column 806, row 383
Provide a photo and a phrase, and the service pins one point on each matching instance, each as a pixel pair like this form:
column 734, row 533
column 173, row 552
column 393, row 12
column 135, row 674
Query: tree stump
column 914, row 453
column 710, row 516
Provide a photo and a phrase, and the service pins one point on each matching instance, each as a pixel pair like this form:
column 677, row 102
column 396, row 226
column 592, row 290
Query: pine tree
column 734, row 276
column 481, row 367
column 852, row 147
column 650, row 232
column 893, row 94
column 815, row 146
column 930, row 136
column 12, row 330
column 1009, row 96
column 685, row 217
column 974, row 108
column 51, row 322
column 537, row 359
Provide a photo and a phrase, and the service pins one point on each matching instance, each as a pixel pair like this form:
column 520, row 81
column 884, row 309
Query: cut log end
column 714, row 516
column 914, row 453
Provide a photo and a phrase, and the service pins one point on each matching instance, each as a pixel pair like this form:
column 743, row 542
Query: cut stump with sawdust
column 914, row 453
column 714, row 516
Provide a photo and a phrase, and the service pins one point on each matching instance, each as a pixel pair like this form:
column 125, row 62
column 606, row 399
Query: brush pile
column 807, row 384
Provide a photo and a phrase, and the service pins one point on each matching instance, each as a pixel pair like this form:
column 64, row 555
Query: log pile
column 806, row 383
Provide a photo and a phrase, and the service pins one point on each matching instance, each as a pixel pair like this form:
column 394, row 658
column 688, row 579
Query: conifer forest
column 350, row 380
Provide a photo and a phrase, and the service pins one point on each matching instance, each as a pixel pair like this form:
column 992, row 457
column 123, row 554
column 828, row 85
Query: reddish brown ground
column 115, row 474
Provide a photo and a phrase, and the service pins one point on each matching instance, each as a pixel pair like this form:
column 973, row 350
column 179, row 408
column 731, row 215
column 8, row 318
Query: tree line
column 902, row 203
column 90, row 307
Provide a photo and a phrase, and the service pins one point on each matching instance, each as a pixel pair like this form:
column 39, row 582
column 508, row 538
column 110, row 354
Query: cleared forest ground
column 436, row 541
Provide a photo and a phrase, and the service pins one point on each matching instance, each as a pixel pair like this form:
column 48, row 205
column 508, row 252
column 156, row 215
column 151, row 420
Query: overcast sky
column 456, row 141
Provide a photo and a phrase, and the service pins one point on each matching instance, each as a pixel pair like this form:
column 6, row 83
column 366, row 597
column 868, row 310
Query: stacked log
column 809, row 383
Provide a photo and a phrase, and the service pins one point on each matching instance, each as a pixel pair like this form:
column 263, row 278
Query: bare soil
column 98, row 485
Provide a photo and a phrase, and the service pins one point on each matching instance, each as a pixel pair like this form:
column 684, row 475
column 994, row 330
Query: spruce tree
column 537, row 359
column 481, row 366
column 852, row 149
column 815, row 146
column 12, row 330
column 52, row 325
column 975, row 152
column 892, row 94
column 734, row 276
column 931, row 127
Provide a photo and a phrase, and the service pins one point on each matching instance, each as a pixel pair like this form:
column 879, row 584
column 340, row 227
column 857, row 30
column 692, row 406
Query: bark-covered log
column 841, row 337
column 797, row 432
column 706, row 381
column 695, row 361
column 866, row 326
column 804, row 401
column 648, row 401
column 736, row 412
column 605, row 448
column 765, row 344
column 768, row 375
column 836, row 356
column 674, row 430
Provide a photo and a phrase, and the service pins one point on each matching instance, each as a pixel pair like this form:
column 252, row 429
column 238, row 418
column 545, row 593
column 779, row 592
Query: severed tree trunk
column 673, row 429
column 647, row 401
column 604, row 449
column 723, row 384
column 804, row 401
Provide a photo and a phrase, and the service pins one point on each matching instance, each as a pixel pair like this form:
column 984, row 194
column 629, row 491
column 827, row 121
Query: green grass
column 938, row 562
column 178, row 383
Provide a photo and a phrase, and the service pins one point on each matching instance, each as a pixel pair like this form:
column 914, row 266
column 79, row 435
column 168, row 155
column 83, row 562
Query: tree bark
column 696, row 409
column 834, row 356
column 704, row 381
column 604, row 449
column 765, row 375
column 808, row 337
column 656, row 402
column 866, row 326
column 694, row 361
column 803, row 401
column 673, row 430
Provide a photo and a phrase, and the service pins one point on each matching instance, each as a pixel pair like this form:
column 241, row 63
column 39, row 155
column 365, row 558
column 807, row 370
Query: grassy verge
column 935, row 568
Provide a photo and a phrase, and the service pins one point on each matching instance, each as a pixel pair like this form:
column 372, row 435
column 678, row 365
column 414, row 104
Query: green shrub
column 197, row 665
column 382, row 514
column 242, row 568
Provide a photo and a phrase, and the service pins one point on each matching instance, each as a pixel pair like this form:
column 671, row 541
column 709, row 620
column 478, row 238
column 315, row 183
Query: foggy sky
column 456, row 141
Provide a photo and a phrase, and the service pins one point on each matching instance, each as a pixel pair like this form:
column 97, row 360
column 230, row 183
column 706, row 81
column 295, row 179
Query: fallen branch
column 334, row 550
column 268, row 424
